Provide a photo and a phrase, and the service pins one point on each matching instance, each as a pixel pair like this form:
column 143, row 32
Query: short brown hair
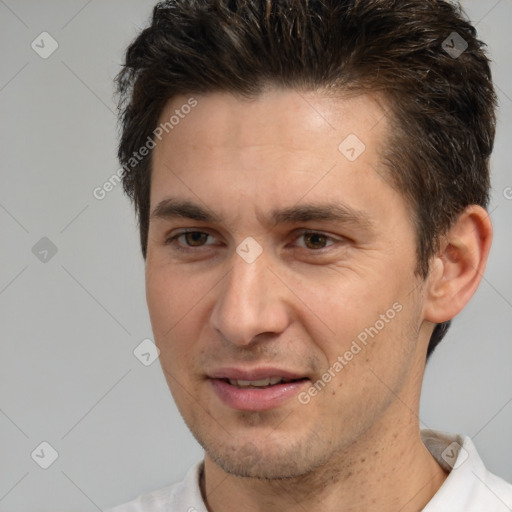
column 442, row 105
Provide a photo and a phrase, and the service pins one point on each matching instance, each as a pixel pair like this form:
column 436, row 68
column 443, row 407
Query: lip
column 254, row 399
column 254, row 373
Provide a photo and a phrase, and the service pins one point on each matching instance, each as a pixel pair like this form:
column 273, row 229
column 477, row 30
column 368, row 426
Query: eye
column 315, row 240
column 190, row 239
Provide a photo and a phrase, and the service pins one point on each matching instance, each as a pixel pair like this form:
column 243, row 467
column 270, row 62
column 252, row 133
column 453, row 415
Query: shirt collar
column 469, row 487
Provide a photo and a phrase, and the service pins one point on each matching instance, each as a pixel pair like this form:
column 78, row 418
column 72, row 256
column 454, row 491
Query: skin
column 301, row 303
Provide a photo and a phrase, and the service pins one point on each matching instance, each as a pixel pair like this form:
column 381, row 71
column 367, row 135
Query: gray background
column 69, row 325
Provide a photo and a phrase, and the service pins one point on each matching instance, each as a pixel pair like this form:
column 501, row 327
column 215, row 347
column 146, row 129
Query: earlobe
column 457, row 269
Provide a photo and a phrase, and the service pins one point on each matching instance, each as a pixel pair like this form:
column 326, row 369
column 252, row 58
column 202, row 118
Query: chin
column 261, row 468
column 266, row 461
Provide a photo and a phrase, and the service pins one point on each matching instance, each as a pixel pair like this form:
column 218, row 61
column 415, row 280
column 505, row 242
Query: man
column 311, row 179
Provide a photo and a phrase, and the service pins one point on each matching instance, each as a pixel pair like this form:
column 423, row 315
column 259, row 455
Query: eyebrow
column 171, row 208
column 331, row 212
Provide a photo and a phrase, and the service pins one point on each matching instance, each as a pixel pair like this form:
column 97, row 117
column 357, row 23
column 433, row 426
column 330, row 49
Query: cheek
column 176, row 307
column 160, row 303
column 373, row 341
column 169, row 296
column 167, row 305
column 351, row 307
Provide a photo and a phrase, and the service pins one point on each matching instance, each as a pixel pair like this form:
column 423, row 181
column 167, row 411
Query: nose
column 251, row 302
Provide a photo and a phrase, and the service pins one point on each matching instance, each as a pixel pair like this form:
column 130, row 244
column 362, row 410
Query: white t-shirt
column 468, row 488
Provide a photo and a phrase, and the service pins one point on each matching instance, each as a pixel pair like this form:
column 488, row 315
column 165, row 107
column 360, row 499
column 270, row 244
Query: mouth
column 261, row 383
column 256, row 390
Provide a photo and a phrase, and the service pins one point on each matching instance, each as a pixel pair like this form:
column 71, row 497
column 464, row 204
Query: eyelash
column 184, row 247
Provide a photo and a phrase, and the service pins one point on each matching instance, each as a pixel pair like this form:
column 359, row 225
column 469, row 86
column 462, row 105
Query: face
column 280, row 277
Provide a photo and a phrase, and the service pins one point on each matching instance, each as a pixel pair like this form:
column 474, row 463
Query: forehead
column 281, row 144
column 286, row 116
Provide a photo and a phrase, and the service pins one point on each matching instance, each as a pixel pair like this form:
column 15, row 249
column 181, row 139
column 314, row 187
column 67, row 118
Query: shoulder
column 497, row 491
column 155, row 501
column 182, row 496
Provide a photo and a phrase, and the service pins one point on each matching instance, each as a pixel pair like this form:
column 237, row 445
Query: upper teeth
column 258, row 383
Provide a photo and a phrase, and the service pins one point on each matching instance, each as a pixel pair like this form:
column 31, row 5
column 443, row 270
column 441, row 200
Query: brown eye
column 195, row 238
column 315, row 240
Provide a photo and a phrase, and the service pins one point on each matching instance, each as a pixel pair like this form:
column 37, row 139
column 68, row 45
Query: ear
column 457, row 269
